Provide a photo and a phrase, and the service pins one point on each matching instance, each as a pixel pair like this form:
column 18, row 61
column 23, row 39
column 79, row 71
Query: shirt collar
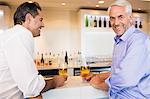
column 126, row 35
column 22, row 28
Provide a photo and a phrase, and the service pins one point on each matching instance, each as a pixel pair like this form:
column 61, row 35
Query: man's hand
column 58, row 81
column 98, row 81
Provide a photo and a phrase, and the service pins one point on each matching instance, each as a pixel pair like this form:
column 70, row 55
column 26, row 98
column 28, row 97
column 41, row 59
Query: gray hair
column 124, row 3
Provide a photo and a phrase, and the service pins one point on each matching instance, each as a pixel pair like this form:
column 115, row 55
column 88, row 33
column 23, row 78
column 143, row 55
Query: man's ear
column 131, row 18
column 28, row 17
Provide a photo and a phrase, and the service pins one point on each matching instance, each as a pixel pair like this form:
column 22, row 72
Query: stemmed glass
column 63, row 68
column 84, row 69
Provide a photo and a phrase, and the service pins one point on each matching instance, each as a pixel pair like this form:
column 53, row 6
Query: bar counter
column 75, row 88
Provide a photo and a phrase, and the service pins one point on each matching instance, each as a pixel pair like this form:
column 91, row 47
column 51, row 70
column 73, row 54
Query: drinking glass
column 63, row 69
column 84, row 70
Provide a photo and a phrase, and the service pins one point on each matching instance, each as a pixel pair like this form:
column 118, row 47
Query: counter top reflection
column 75, row 88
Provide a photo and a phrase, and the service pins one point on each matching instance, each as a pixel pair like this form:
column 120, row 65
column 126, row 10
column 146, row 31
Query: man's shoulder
column 8, row 34
column 139, row 34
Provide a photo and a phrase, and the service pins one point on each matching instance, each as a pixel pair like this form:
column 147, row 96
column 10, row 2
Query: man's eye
column 111, row 18
column 121, row 17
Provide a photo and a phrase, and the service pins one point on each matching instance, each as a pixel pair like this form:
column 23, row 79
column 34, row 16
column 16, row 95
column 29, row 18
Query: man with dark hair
column 18, row 74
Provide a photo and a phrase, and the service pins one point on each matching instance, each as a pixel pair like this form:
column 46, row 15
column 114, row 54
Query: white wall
column 5, row 18
column 60, row 32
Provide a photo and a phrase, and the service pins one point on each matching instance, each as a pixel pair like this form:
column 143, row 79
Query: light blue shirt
column 130, row 78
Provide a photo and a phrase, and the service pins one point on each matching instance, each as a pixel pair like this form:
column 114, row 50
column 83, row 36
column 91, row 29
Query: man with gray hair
column 130, row 69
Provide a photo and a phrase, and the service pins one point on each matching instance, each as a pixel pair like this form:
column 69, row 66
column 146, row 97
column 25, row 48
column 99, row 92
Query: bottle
column 109, row 24
column 91, row 21
column 54, row 60
column 66, row 58
column 50, row 59
column 104, row 22
column 86, row 21
column 79, row 59
column 140, row 26
column 100, row 22
column 46, row 61
column 58, row 59
column 136, row 24
column 38, row 59
column 95, row 22
column 42, row 60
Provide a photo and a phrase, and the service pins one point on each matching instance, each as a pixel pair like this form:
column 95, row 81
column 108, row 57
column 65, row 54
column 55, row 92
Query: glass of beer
column 85, row 71
column 63, row 69
column 63, row 72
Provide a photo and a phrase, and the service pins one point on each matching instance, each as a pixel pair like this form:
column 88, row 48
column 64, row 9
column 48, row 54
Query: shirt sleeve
column 18, row 52
column 133, row 66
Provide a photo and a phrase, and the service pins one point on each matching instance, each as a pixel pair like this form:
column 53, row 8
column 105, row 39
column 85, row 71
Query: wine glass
column 63, row 68
column 84, row 70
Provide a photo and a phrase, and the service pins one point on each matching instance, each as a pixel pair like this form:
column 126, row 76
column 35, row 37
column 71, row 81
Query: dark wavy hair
column 25, row 8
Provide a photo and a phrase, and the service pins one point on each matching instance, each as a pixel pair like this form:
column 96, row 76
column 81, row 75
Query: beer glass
column 84, row 70
column 63, row 69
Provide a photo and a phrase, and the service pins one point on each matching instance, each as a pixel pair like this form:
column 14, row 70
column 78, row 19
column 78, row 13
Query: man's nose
column 42, row 25
column 116, row 21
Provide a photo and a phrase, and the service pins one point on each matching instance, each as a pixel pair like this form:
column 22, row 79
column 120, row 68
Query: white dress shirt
column 18, row 74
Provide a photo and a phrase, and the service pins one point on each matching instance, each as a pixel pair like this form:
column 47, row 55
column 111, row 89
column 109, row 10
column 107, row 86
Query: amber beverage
column 63, row 72
column 85, row 71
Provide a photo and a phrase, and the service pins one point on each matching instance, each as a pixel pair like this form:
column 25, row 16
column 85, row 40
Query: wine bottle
column 66, row 58
column 42, row 60
column 86, row 21
column 109, row 24
column 79, row 59
column 38, row 59
column 104, row 22
column 140, row 26
column 100, row 22
column 136, row 24
column 91, row 21
column 50, row 59
column 46, row 61
column 95, row 22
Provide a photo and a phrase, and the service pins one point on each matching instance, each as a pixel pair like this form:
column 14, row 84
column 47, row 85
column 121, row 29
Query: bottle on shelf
column 58, row 59
column 66, row 58
column 37, row 60
column 46, row 61
column 86, row 21
column 100, row 22
column 79, row 59
column 74, row 59
column 109, row 24
column 50, row 59
column 70, row 60
column 136, row 25
column 42, row 60
column 91, row 21
column 54, row 60
column 95, row 22
column 140, row 26
column 105, row 23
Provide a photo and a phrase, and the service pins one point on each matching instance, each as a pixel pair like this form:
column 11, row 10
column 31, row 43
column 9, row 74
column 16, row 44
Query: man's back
column 8, row 87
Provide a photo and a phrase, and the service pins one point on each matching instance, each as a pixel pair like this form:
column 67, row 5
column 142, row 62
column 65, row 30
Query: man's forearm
column 49, row 85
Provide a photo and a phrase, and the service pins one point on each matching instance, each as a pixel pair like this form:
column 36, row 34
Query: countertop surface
column 75, row 88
